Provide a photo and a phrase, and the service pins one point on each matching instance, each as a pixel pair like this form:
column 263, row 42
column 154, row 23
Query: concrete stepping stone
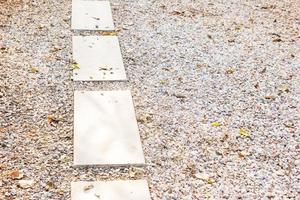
column 92, row 15
column 110, row 190
column 97, row 58
column 105, row 129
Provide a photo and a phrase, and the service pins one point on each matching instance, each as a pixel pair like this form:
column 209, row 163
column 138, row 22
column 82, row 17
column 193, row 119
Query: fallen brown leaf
column 52, row 119
column 16, row 174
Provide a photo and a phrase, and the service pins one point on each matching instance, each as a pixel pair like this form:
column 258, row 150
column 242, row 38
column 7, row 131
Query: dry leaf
column 41, row 26
column 114, row 33
column 180, row 96
column 61, row 191
column 277, row 40
column 216, row 124
column 16, row 174
column 54, row 49
column 105, row 68
column 52, row 119
column 289, row 124
column 270, row 97
column 50, row 185
column 283, row 88
column 176, row 12
column 268, row 7
column 75, row 66
column 244, row 132
column 163, row 82
column 34, row 70
column 135, row 172
column 230, row 71
column 243, row 154
column 146, row 118
column 177, row 158
column 88, row 187
column 65, row 159
column 211, row 181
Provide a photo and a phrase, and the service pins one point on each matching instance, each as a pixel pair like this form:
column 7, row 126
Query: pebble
column 25, row 184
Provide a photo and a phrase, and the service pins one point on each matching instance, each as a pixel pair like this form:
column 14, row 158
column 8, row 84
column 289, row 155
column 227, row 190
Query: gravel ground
column 215, row 86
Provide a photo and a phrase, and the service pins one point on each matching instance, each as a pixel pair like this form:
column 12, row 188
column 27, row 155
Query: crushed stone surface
column 216, row 87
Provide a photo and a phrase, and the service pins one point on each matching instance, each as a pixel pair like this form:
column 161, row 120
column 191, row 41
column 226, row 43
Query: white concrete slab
column 92, row 15
column 105, row 129
column 99, row 58
column 110, row 190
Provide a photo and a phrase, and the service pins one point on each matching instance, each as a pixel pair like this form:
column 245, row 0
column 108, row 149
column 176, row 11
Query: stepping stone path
column 105, row 127
column 97, row 58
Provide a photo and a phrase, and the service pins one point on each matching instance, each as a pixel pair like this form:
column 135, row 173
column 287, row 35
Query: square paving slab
column 105, row 129
column 92, row 15
column 111, row 190
column 97, row 58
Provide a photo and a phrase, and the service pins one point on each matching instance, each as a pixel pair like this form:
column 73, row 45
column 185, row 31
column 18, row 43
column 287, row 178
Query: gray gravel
column 216, row 86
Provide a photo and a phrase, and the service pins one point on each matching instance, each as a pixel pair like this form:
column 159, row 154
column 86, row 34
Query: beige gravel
column 215, row 86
